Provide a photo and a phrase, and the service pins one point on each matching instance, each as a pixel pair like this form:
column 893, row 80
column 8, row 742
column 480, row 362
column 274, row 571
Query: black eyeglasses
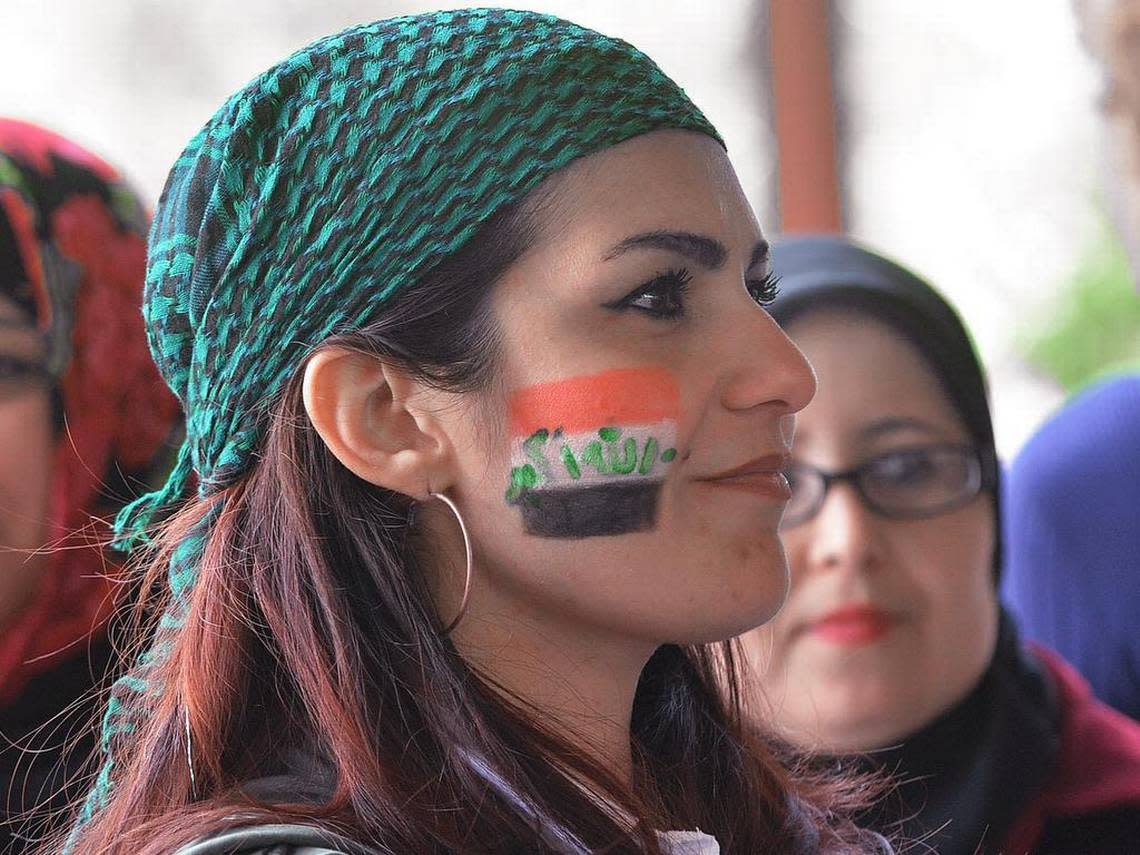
column 906, row 483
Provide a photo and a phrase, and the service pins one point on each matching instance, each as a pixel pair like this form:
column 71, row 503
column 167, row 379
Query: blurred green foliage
column 1094, row 327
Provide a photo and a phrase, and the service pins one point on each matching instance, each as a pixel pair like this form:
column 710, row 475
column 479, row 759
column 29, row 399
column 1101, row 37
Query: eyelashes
column 663, row 296
column 764, row 291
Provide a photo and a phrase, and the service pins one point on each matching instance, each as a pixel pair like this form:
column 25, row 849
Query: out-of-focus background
column 962, row 138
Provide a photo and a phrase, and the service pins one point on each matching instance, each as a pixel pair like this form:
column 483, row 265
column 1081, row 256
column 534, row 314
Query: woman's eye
column 763, row 291
column 662, row 297
column 906, row 469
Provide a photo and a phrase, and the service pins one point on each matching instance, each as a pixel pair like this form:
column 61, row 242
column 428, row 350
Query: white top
column 688, row 843
column 564, row 841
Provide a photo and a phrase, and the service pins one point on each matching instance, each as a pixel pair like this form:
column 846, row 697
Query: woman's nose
column 766, row 367
column 842, row 533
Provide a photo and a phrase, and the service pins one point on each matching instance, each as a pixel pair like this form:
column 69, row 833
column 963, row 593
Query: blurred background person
column 1073, row 538
column 84, row 422
column 892, row 644
column 1073, row 494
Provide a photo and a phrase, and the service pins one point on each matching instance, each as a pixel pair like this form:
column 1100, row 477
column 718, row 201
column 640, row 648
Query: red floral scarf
column 77, row 266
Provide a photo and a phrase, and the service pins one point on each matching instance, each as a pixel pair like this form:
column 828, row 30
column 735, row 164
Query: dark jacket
column 1028, row 762
column 1091, row 802
column 47, row 744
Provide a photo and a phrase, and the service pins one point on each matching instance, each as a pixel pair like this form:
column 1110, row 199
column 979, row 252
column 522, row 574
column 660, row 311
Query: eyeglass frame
column 983, row 465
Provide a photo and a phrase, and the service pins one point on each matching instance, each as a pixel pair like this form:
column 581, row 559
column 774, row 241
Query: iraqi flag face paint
column 590, row 453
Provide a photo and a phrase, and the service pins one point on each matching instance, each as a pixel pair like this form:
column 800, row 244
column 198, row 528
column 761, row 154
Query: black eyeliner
column 670, row 285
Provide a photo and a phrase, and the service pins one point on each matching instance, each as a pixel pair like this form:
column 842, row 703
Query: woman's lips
column 852, row 626
column 763, row 476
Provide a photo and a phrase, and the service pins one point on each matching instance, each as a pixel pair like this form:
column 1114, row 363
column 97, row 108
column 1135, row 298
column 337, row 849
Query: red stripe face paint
column 589, row 453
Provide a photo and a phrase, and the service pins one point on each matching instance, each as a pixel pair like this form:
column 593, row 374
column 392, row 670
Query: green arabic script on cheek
column 608, row 455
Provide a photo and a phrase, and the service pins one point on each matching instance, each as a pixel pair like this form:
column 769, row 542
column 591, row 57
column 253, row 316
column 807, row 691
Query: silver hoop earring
column 190, row 755
column 470, row 561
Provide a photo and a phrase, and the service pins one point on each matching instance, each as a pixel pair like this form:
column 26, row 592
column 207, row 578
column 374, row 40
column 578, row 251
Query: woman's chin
column 836, row 733
column 849, row 715
column 732, row 616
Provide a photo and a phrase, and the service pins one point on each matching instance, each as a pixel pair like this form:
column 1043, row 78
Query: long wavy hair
column 311, row 681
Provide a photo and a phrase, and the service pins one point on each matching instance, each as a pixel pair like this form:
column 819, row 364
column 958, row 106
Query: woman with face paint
column 463, row 310
column 84, row 418
column 892, row 644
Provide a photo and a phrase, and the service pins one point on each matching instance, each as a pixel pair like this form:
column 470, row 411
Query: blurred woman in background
column 892, row 645
column 84, row 422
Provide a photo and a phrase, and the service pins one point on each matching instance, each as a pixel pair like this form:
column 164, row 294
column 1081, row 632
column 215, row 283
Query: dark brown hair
column 316, row 684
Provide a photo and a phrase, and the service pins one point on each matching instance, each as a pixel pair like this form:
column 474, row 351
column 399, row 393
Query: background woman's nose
column 842, row 533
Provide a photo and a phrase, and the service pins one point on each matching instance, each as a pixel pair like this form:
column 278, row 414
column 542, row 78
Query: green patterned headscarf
column 345, row 173
column 336, row 179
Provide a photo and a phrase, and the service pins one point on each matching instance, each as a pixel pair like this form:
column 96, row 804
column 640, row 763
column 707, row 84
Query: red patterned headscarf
column 73, row 256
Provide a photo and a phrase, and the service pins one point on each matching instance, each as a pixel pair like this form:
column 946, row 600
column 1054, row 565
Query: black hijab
column 828, row 271
column 964, row 779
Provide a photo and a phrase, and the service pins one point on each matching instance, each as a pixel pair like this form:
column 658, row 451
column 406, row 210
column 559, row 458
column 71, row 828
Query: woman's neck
column 582, row 682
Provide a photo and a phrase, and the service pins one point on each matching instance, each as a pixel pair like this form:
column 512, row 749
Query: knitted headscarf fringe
column 134, row 521
column 134, row 692
column 336, row 179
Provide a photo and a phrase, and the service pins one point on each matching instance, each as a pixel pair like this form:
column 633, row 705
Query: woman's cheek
column 25, row 480
column 589, row 454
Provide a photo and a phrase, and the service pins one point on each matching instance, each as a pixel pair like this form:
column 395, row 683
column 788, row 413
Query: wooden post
column 804, row 109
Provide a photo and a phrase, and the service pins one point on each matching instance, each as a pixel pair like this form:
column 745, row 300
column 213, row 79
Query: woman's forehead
column 873, row 384
column 643, row 182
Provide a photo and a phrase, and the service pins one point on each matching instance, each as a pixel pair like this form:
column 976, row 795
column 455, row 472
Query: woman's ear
column 371, row 417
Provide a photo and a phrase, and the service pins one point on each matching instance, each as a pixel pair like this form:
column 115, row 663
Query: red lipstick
column 852, row 626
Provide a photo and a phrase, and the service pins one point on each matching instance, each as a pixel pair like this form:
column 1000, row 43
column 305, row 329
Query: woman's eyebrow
column 893, row 424
column 708, row 252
